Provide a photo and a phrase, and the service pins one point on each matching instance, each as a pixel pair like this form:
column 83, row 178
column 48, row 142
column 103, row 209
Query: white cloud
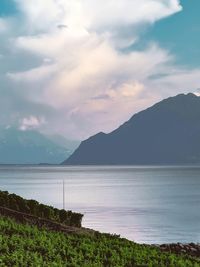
column 83, row 75
column 31, row 123
column 89, row 14
column 33, row 75
column 120, row 13
column 175, row 80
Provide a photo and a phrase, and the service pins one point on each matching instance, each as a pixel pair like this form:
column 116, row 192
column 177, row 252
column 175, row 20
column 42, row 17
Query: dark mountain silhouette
column 166, row 133
column 29, row 147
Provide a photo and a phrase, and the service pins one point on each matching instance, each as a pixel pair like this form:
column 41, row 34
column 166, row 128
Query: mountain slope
column 166, row 133
column 29, row 147
column 70, row 145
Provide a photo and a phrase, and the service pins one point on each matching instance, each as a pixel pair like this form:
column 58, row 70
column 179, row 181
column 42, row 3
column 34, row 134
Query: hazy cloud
column 69, row 61
column 31, row 123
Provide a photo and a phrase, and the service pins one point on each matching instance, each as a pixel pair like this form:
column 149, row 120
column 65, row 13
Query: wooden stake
column 64, row 194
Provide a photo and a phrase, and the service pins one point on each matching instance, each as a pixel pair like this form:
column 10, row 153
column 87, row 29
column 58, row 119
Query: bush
column 33, row 207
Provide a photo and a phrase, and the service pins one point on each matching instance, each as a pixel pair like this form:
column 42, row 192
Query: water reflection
column 145, row 204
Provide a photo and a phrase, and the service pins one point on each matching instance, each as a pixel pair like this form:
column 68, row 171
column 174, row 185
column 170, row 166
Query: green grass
column 25, row 245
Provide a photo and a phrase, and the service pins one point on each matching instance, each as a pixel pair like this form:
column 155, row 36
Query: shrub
column 33, row 207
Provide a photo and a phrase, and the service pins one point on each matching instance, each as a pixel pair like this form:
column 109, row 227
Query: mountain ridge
column 29, row 147
column 165, row 133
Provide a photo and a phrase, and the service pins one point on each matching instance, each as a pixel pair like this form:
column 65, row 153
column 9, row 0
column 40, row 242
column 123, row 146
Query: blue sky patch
column 180, row 34
column 7, row 8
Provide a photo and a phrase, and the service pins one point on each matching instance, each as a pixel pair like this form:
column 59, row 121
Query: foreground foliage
column 25, row 245
column 33, row 207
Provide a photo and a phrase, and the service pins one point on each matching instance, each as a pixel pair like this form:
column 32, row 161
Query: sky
column 79, row 67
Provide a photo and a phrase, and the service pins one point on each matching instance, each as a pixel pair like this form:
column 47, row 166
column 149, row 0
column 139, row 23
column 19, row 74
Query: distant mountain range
column 32, row 147
column 166, row 133
column 60, row 140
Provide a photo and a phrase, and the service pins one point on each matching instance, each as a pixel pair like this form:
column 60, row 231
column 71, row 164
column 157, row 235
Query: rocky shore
column 191, row 249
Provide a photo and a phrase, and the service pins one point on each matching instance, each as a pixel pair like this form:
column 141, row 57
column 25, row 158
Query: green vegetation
column 25, row 245
column 32, row 207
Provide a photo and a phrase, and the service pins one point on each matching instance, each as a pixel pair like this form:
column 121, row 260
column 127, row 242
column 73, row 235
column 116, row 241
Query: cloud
column 79, row 71
column 89, row 15
column 31, row 123
column 33, row 74
column 3, row 25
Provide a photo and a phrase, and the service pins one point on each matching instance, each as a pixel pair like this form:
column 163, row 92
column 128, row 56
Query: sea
column 145, row 204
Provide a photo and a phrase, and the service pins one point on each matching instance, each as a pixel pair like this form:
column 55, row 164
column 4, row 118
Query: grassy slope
column 24, row 245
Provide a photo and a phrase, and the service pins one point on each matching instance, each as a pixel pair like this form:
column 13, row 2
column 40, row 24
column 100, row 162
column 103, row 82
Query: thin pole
column 64, row 194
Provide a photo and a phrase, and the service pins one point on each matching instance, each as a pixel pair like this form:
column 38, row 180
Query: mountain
column 70, row 145
column 166, row 133
column 29, row 147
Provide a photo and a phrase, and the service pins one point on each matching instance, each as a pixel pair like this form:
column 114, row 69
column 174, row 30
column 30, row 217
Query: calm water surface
column 144, row 204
